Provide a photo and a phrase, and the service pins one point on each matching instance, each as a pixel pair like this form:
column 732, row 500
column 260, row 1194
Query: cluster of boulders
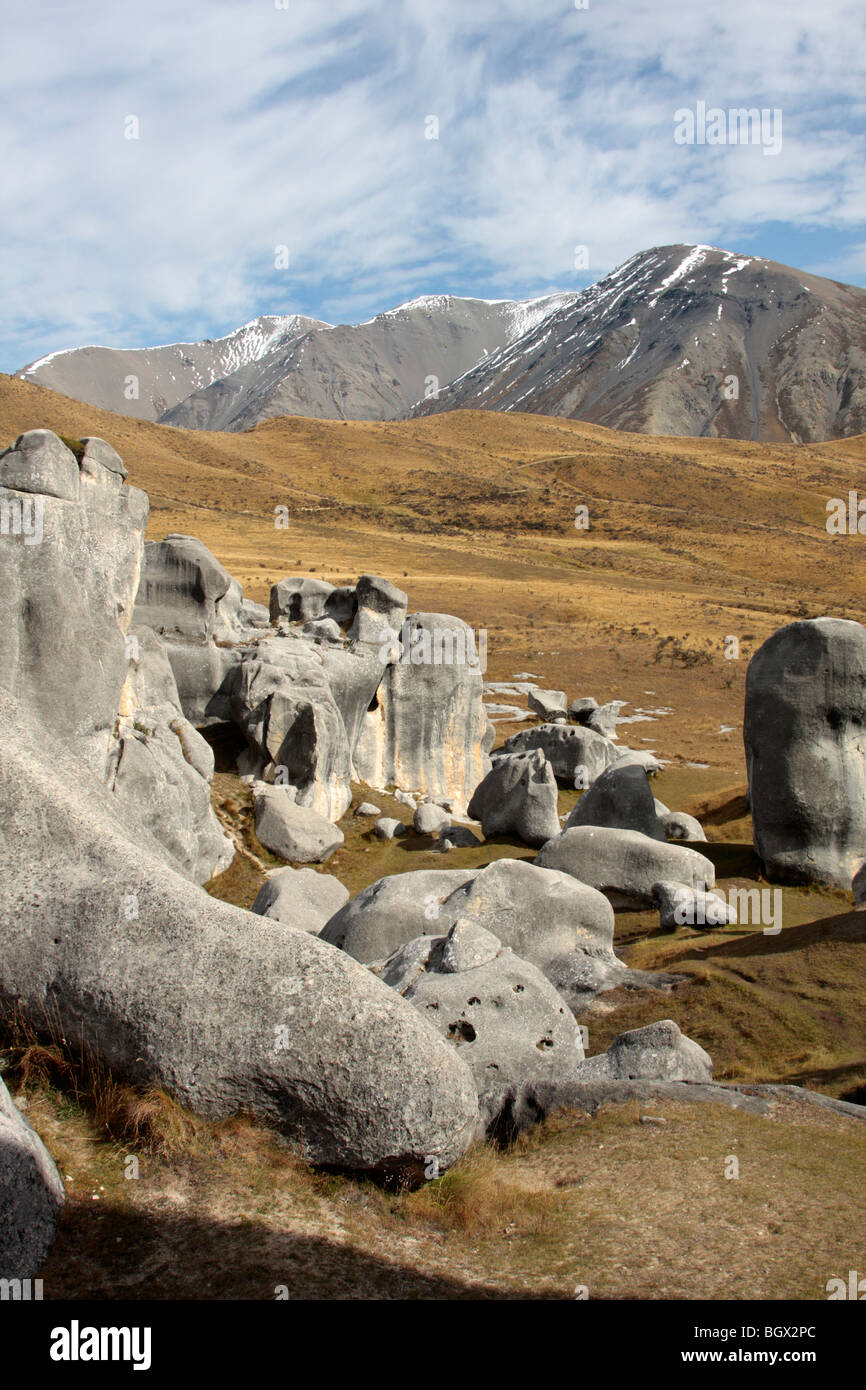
column 384, row 1032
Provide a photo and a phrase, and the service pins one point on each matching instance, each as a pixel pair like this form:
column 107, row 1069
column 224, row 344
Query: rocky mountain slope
column 684, row 340
column 146, row 382
column 690, row 341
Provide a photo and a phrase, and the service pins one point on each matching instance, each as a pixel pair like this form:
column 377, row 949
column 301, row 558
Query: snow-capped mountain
column 689, row 340
column 376, row 370
column 686, row 340
column 146, row 382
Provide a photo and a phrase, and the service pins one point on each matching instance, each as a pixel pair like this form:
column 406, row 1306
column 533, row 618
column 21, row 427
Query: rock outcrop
column 806, row 750
column 31, row 1194
column 501, row 1014
column 578, row 755
column 172, row 987
column 624, row 864
column 621, row 798
column 518, row 797
column 69, row 653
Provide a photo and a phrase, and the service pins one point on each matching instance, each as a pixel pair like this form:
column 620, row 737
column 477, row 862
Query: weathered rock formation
column 806, row 750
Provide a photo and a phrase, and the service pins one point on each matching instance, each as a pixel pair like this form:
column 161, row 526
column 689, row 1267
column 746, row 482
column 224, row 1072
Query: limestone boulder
column 577, row 755
column 300, row 897
column 518, row 797
column 624, row 864
column 497, row 1011
column 620, row 797
column 32, row 1194
column 805, row 737
column 172, row 987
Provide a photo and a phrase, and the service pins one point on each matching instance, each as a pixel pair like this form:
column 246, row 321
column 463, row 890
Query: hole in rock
column 461, row 1031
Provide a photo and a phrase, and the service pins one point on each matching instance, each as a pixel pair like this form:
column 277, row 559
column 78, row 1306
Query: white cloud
column 305, row 126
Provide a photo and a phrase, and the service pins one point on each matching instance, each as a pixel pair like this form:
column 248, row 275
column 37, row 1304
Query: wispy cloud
column 305, row 127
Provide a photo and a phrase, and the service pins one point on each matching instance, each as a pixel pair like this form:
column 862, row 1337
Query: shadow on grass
column 114, row 1253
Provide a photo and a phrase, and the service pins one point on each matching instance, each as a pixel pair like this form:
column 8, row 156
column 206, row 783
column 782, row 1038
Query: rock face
column 806, row 750
column 550, row 704
column 624, row 864
column 69, row 654
column 391, row 911
column 659, row 1052
column 518, row 797
column 173, row 987
column 428, row 729
column 32, row 1194
column 574, row 752
column 497, row 1010
column 381, row 610
column 621, row 798
column 296, row 833
column 301, row 897
column 162, row 767
column 563, row 927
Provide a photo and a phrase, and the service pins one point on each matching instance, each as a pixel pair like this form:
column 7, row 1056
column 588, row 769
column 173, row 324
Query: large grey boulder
column 294, row 832
column 101, row 464
column 604, row 718
column 428, row 729
column 518, row 797
column 283, row 703
column 31, row 1194
column 388, row 828
column 658, row 1052
column 388, row 913
column 171, row 987
column 624, row 864
column 66, row 602
column 301, row 897
column 680, row 906
column 678, row 825
column 580, row 710
column 40, row 462
column 185, row 591
column 563, row 927
column 161, row 767
column 620, row 797
column 381, row 610
column 498, row 1011
column 577, row 755
column 299, row 599
column 806, row 750
column 430, row 819
column 550, row 704
column 198, row 609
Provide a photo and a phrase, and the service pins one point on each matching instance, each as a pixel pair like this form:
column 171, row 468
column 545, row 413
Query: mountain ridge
column 686, row 340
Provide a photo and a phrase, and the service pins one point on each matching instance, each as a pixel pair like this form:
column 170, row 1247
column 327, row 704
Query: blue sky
column 304, row 127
